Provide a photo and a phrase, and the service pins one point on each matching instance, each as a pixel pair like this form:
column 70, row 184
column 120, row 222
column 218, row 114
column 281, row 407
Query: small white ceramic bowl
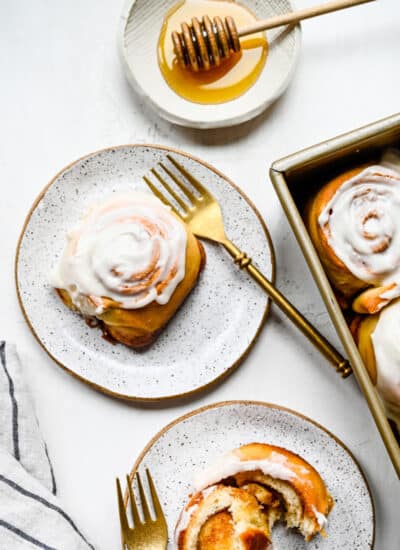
column 138, row 35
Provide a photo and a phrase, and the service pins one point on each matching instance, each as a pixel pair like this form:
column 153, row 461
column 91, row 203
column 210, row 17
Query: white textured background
column 63, row 94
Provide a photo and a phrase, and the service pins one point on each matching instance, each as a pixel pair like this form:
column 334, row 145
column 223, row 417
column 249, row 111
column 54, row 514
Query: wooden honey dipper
column 204, row 44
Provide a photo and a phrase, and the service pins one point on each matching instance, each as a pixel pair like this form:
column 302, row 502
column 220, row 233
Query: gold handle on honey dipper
column 203, row 44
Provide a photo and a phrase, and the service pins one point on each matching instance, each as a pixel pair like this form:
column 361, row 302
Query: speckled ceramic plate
column 196, row 440
column 213, row 330
column 138, row 35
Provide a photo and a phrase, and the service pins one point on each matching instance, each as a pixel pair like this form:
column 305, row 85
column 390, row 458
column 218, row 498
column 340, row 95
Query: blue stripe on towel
column 14, row 403
column 25, row 536
column 45, row 502
column 53, row 479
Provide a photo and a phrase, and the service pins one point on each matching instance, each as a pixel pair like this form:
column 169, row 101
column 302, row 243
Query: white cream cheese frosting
column 231, row 464
column 129, row 249
column 386, row 343
column 362, row 225
column 322, row 520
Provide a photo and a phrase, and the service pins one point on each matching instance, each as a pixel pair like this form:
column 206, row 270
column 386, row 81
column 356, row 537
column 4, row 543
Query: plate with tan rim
column 138, row 35
column 174, row 456
column 213, row 330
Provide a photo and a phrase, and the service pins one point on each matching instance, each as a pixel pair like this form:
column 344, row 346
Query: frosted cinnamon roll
column 129, row 264
column 285, row 486
column 377, row 338
column 354, row 222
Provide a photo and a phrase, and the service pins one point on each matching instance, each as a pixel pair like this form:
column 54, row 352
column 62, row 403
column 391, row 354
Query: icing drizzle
column 127, row 252
column 362, row 225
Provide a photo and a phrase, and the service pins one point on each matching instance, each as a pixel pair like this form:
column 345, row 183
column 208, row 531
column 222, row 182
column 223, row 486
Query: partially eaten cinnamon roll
column 129, row 265
column 240, row 498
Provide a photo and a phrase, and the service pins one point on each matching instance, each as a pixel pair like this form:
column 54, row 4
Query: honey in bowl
column 234, row 76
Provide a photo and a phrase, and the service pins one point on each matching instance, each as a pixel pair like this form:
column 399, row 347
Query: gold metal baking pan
column 295, row 179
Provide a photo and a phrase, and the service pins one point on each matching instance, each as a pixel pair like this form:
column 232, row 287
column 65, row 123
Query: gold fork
column 202, row 212
column 149, row 534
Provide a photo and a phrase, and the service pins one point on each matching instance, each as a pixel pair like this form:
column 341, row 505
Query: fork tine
column 145, row 506
column 159, row 195
column 191, row 196
column 134, row 509
column 181, row 203
column 195, row 182
column 156, row 503
column 122, row 512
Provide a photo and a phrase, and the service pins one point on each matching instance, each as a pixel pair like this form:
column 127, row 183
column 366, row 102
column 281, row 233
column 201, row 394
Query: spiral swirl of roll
column 243, row 494
column 223, row 517
column 361, row 223
column 127, row 252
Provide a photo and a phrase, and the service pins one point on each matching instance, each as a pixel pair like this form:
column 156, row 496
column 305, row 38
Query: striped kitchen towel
column 30, row 513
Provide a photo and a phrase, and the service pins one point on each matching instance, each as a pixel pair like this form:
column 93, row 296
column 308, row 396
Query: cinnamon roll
column 129, row 265
column 354, row 222
column 377, row 338
column 283, row 485
column 223, row 518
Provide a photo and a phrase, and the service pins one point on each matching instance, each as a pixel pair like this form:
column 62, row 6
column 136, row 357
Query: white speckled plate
column 174, row 455
column 213, row 330
column 139, row 31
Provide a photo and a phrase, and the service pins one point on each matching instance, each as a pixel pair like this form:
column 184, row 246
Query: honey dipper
column 202, row 45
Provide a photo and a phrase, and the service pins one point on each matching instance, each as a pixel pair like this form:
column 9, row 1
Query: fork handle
column 342, row 365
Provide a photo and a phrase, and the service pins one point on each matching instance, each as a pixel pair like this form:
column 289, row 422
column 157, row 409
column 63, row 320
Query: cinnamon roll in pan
column 377, row 338
column 129, row 265
column 278, row 484
column 354, row 222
